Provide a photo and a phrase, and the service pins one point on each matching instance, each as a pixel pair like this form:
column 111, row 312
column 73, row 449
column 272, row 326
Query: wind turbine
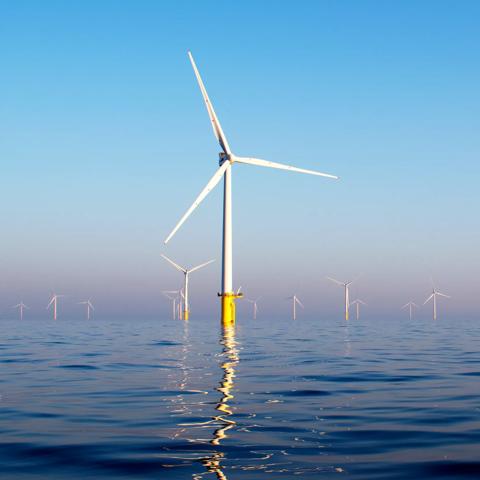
column 345, row 285
column 54, row 300
column 357, row 303
column 434, row 295
column 255, row 308
column 168, row 294
column 411, row 305
column 226, row 161
column 295, row 301
column 186, row 272
column 21, row 306
column 89, row 305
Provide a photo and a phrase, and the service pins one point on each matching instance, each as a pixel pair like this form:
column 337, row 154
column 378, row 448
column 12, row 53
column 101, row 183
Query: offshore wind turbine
column 295, row 302
column 53, row 301
column 435, row 293
column 357, row 303
column 186, row 272
column 21, row 306
column 255, row 307
column 226, row 161
column 411, row 305
column 346, row 286
column 89, row 305
column 168, row 294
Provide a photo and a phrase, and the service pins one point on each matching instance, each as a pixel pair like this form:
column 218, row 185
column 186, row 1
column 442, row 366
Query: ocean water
column 374, row 399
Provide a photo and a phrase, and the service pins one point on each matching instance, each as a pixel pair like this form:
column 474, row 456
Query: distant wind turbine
column 295, row 302
column 227, row 161
column 21, row 306
column 435, row 293
column 411, row 305
column 172, row 295
column 54, row 301
column 255, row 307
column 89, row 305
column 357, row 303
column 345, row 285
column 186, row 272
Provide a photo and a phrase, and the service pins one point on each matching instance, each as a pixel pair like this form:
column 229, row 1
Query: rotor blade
column 90, row 305
column 217, row 129
column 406, row 305
column 336, row 281
column 15, row 306
column 209, row 187
column 265, row 163
column 299, row 302
column 178, row 267
column 201, row 266
column 429, row 298
column 442, row 295
column 51, row 301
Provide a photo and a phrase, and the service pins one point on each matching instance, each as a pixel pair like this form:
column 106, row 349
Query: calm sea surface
column 274, row 399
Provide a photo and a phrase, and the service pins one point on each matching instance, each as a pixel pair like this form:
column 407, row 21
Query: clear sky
column 105, row 142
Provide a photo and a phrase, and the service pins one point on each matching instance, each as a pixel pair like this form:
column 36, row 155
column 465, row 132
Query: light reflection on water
column 143, row 399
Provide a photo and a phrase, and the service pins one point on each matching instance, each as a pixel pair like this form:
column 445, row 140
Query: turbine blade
column 299, row 302
column 443, row 295
column 265, row 163
column 406, row 305
column 209, row 187
column 217, row 128
column 198, row 267
column 178, row 267
column 336, row 281
column 429, row 298
column 51, row 301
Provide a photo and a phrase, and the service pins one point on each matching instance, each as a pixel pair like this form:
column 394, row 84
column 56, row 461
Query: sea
column 271, row 398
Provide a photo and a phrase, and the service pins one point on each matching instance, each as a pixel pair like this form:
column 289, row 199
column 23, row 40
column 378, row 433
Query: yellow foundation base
column 186, row 314
column 228, row 307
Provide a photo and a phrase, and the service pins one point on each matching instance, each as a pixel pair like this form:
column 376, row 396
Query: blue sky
column 105, row 142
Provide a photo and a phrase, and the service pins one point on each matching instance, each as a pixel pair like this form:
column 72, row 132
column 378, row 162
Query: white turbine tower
column 21, row 306
column 346, row 286
column 186, row 272
column 411, row 305
column 435, row 293
column 295, row 302
column 169, row 294
column 54, row 301
column 357, row 303
column 255, row 307
column 227, row 159
column 89, row 307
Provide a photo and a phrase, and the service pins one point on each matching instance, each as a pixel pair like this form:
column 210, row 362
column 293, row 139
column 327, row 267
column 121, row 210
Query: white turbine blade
column 429, row 298
column 406, row 305
column 442, row 295
column 198, row 267
column 51, row 301
column 209, row 187
column 299, row 302
column 265, row 163
column 217, row 128
column 336, row 281
column 18, row 305
column 239, row 289
column 90, row 305
column 178, row 267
